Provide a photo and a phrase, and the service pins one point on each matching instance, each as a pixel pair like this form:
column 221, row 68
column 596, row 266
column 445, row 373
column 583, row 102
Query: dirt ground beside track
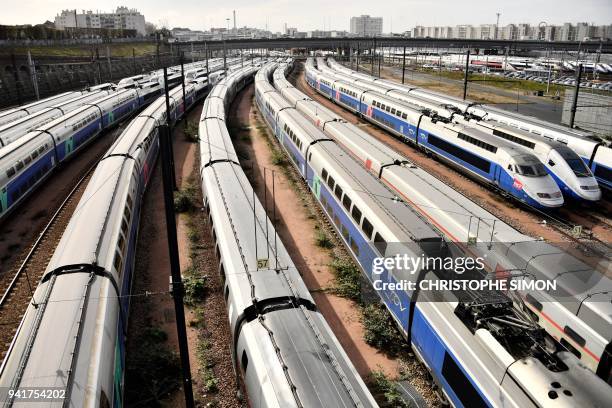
column 210, row 324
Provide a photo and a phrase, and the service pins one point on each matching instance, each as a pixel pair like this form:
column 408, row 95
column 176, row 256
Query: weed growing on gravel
column 278, row 158
column 322, row 240
column 154, row 369
column 348, row 279
column 386, row 391
column 191, row 131
column 195, row 289
column 186, row 199
column 380, row 331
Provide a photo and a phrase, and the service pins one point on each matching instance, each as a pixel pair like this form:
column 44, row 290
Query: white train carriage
column 19, row 128
column 594, row 151
column 283, row 348
column 474, row 154
column 586, row 329
column 11, row 115
column 470, row 365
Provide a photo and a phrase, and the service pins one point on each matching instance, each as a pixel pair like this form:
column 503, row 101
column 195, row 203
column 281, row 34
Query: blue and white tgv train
column 25, row 163
column 475, row 153
column 473, row 355
column 564, row 165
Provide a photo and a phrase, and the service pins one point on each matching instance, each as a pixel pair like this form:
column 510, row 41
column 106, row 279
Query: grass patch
column 278, row 158
column 348, row 279
column 380, row 330
column 186, row 199
column 385, row 391
column 192, row 131
column 322, row 240
column 195, row 289
column 154, row 370
column 210, row 381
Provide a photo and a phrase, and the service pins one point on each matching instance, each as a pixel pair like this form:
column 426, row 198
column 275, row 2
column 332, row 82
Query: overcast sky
column 398, row 15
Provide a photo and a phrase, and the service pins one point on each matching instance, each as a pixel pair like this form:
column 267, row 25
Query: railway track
column 17, row 294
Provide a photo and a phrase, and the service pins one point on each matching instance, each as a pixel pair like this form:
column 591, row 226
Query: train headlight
column 544, row 195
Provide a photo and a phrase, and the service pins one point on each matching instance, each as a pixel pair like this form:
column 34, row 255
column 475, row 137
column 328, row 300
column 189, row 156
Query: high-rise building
column 366, row 26
column 122, row 19
column 565, row 32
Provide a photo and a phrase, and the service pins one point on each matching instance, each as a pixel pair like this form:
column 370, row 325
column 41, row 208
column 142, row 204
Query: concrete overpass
column 430, row 43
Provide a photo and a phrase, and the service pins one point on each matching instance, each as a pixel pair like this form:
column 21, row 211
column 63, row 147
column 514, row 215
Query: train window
column 117, row 261
column 331, row 182
column 309, row 156
column 367, row 228
column 244, row 360
column 356, row 213
column 404, row 116
column 19, row 165
column 354, row 247
column 551, row 163
column 121, row 242
column 388, row 108
column 393, row 111
column 34, row 154
column 380, row 243
column 226, row 295
column 382, row 106
column 574, row 336
column 10, row 172
column 338, row 191
column 41, row 149
column 336, row 221
column 324, row 175
column 460, row 384
column 570, row 348
column 346, row 202
column 345, row 232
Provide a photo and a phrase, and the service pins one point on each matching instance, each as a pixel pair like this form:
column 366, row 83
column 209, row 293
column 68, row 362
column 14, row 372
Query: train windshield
column 575, row 162
column 532, row 170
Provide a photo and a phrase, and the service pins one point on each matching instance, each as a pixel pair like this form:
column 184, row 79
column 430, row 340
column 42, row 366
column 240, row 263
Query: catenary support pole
column 169, row 124
column 175, row 269
column 467, row 70
column 576, row 91
column 404, row 66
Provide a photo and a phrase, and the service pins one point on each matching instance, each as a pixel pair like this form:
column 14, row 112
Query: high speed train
column 565, row 166
column 499, row 163
column 284, row 350
column 580, row 319
column 480, row 350
column 25, row 110
column 20, row 127
column 573, row 177
column 27, row 162
column 72, row 336
column 594, row 151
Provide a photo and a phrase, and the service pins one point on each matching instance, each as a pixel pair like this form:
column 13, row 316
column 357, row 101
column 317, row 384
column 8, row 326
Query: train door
column 110, row 117
column 69, row 145
column 496, row 174
column 4, row 200
column 316, row 186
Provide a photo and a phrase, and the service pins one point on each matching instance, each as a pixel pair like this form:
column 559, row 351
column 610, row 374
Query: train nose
column 546, row 192
column 590, row 191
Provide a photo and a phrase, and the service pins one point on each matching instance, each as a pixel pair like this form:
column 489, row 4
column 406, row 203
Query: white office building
column 122, row 19
column 366, row 26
